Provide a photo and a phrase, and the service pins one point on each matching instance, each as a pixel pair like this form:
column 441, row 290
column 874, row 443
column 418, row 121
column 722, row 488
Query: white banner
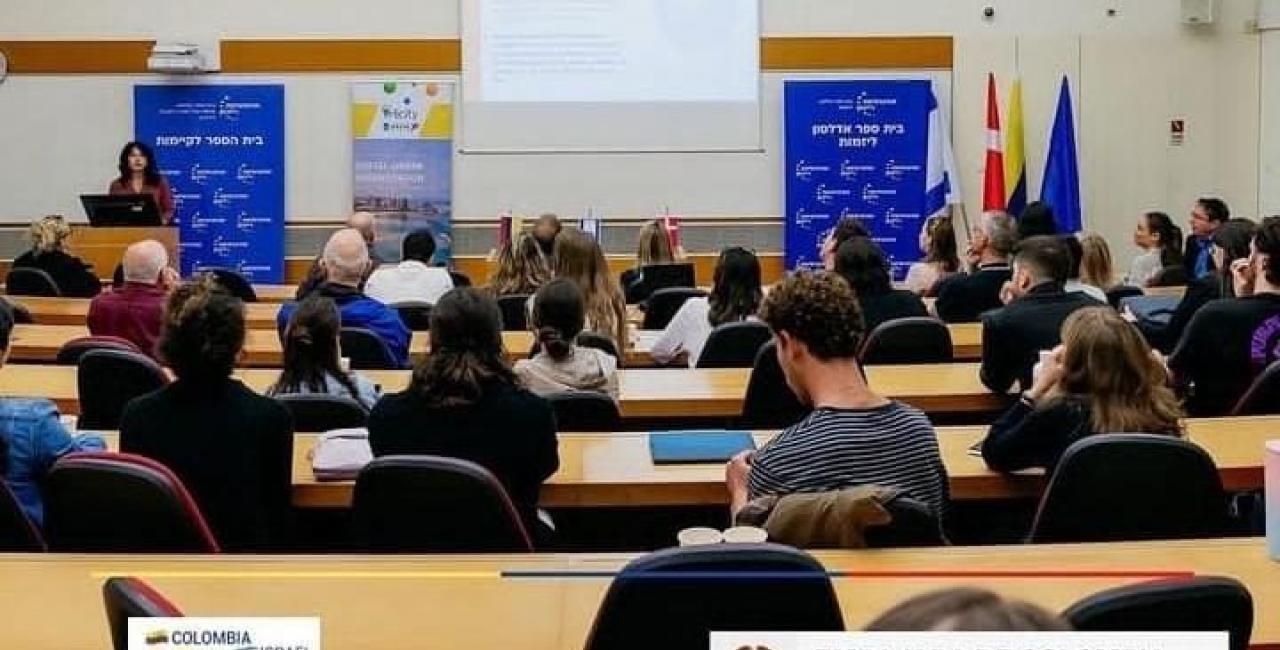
column 228, row 633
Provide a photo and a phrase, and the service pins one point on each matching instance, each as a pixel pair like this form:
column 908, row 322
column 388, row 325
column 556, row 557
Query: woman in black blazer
column 74, row 278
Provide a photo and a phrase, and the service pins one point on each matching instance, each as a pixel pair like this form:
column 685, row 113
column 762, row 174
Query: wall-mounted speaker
column 1198, row 12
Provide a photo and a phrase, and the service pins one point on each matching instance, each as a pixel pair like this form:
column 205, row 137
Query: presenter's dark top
column 160, row 192
column 74, row 278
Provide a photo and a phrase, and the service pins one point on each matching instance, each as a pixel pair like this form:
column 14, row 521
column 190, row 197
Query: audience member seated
column 853, row 436
column 966, row 609
column 345, row 260
column 32, row 437
column 367, row 225
column 1229, row 342
column 862, row 264
column 962, row 298
column 735, row 296
column 135, row 311
column 413, row 279
column 465, row 402
column 1036, row 219
column 545, row 231
column 1230, row 243
column 845, row 229
column 312, row 358
column 654, row 248
column 1031, row 322
column 938, row 243
column 560, row 363
column 1161, row 244
column 232, row 447
column 74, row 278
column 1073, row 283
column 1102, row 379
column 521, row 269
column 1207, row 215
column 1096, row 269
column 578, row 258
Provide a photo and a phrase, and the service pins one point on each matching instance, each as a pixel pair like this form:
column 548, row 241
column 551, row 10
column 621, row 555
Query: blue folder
column 689, row 447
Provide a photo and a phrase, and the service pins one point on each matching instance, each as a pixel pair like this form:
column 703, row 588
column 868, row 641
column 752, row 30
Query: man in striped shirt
column 853, row 436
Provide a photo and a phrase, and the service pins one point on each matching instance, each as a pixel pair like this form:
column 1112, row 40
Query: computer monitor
column 107, row 210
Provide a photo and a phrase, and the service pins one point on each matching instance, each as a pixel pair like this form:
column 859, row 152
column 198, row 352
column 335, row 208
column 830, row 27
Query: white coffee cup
column 745, row 535
column 1045, row 355
column 699, row 536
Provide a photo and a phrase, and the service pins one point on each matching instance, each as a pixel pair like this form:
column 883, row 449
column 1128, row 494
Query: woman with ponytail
column 465, row 402
column 312, row 358
column 560, row 363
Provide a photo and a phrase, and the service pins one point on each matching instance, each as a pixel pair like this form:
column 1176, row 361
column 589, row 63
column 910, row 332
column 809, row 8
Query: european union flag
column 1061, row 186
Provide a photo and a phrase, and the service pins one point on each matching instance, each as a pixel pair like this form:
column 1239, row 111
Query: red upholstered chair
column 127, row 598
column 121, row 503
column 71, row 351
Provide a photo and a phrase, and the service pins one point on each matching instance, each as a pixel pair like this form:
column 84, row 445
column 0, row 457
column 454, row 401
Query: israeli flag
column 942, row 183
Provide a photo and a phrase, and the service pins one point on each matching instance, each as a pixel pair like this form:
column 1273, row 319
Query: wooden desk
column 464, row 602
column 75, row 311
column 275, row 292
column 650, row 393
column 103, row 248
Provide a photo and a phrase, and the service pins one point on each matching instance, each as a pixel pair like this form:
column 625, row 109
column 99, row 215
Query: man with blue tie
column 1206, row 215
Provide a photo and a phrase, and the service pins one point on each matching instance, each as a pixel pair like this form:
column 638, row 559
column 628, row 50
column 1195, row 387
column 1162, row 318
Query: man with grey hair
column 367, row 225
column 963, row 298
column 345, row 262
column 135, row 310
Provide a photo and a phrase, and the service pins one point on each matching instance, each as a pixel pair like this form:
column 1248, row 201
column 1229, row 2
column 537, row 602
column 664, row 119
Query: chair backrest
column 21, row 314
column 914, row 524
column 1131, row 486
column 1263, row 396
column 366, row 350
column 1170, row 276
column 108, row 379
column 600, row 342
column 126, row 598
column 319, row 412
column 432, row 504
column 653, row 277
column 1199, row 604
column 515, row 312
column 18, row 534
column 459, row 279
column 235, row 284
column 769, row 402
column 27, row 281
column 1117, row 293
column 734, row 345
column 675, row 597
column 587, row 411
column 663, row 304
column 121, row 503
column 71, row 351
column 917, row 339
column 416, row 314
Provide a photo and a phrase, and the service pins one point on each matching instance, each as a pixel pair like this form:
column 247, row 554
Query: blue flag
column 1061, row 186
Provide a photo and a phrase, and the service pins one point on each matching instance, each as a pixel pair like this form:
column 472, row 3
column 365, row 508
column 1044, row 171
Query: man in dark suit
column 1207, row 215
column 1012, row 337
column 962, row 298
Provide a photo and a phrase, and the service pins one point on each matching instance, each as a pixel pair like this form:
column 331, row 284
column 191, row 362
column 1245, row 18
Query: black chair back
column 126, row 598
column 432, row 504
column 459, row 279
column 319, row 412
column 21, row 315
column 71, row 351
column 1131, row 486
column 917, row 339
column 585, row 411
column 121, row 503
column 1117, row 293
column 515, row 312
column 675, row 597
column 27, row 281
column 1263, row 396
column 1199, row 604
column 914, row 524
column 734, row 345
column 653, row 277
column 366, row 350
column 415, row 314
column 108, row 379
column 1170, row 276
column 18, row 534
column 769, row 403
column 664, row 303
column 600, row 342
column 234, row 284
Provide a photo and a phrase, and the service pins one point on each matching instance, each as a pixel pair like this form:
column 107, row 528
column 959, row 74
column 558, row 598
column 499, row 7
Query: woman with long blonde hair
column 653, row 247
column 579, row 258
column 522, row 268
column 1095, row 261
column 1102, row 379
column 48, row 253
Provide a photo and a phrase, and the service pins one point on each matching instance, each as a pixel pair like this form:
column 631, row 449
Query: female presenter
column 139, row 175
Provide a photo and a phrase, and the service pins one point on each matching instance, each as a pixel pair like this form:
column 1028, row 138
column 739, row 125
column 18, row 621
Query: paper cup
column 746, row 535
column 1271, row 488
column 345, row 364
column 699, row 536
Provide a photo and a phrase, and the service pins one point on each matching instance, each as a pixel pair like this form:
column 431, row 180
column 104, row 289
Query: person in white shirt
column 414, row 279
column 735, row 296
column 1161, row 244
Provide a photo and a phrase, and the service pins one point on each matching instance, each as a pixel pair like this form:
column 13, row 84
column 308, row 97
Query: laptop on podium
column 120, row 210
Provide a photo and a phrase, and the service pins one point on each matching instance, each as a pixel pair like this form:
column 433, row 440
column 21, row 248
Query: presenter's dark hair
column 151, row 173
column 467, row 357
column 419, row 245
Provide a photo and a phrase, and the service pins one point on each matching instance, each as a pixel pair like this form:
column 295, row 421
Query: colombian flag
column 1015, row 159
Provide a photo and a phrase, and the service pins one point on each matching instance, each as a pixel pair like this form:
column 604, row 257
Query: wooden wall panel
column 76, row 57
column 855, row 52
column 443, row 55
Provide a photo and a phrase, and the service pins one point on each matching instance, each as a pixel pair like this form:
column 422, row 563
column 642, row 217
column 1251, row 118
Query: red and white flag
column 993, row 196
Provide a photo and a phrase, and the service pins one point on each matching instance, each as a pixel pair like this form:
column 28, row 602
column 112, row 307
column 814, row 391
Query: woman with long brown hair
column 1102, row 379
column 938, row 243
column 312, row 356
column 579, row 258
column 522, row 268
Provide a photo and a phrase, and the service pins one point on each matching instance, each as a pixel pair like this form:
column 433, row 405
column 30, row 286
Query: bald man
column 367, row 225
column 344, row 263
column 135, row 310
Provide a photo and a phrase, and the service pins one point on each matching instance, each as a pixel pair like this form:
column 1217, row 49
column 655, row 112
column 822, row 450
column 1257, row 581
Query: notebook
column 689, row 447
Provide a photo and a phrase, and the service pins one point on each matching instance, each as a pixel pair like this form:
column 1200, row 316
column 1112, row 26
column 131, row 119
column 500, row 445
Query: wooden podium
column 104, row 247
